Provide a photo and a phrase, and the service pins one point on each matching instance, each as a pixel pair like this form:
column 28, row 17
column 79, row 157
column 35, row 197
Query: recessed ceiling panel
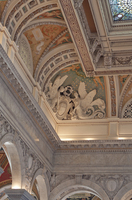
column 121, row 9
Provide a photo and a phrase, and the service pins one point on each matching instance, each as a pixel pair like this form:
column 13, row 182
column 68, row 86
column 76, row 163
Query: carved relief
column 5, row 127
column 57, row 179
column 32, row 164
column 69, row 104
column 110, row 183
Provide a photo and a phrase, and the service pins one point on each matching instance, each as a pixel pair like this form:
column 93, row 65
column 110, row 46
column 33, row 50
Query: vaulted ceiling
column 79, row 55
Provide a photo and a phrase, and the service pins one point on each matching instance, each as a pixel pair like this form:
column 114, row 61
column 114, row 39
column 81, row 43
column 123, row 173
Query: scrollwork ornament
column 5, row 127
column 32, row 164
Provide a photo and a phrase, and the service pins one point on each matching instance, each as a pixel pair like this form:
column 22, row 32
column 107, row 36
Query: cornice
column 8, row 69
column 100, row 146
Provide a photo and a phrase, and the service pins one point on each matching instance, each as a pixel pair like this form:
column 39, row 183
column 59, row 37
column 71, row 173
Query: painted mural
column 2, row 6
column 121, row 9
column 57, row 14
column 40, row 37
column 64, row 39
column 6, row 177
column 122, row 80
column 72, row 95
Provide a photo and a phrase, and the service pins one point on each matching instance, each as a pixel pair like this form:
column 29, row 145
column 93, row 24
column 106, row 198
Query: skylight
column 121, row 9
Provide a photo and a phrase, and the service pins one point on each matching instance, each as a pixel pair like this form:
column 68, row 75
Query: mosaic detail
column 122, row 80
column 121, row 9
column 40, row 37
column 72, row 95
column 2, row 6
column 57, row 14
column 113, row 96
column 128, row 111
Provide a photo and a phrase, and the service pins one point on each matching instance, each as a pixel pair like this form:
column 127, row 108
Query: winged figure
column 53, row 93
column 85, row 108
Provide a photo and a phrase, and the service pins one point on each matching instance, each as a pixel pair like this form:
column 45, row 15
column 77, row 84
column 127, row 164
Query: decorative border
column 76, row 33
column 113, row 96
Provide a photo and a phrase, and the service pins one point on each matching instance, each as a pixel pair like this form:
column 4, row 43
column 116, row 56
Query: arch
column 43, row 184
column 13, row 154
column 78, row 192
column 69, row 187
column 125, row 193
column 123, row 94
column 125, row 108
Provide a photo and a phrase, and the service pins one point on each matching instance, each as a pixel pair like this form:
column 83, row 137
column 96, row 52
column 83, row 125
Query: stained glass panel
column 121, row 9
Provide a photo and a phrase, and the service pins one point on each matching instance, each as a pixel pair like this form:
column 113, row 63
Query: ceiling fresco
column 56, row 14
column 2, row 6
column 72, row 95
column 121, row 9
column 40, row 37
column 64, row 39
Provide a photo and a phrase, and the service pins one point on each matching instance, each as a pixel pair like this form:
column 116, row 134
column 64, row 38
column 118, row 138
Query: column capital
column 18, row 194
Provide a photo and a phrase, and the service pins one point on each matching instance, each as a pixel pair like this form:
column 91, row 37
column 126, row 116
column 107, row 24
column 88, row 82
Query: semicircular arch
column 70, row 187
column 43, row 184
column 14, row 155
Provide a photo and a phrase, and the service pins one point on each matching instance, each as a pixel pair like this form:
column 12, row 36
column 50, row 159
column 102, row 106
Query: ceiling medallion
column 125, row 5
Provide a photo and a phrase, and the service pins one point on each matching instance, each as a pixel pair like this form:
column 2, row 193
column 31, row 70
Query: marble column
column 1, row 171
column 18, row 194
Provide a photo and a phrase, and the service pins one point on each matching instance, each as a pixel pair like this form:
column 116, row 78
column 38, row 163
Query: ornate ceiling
column 79, row 53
